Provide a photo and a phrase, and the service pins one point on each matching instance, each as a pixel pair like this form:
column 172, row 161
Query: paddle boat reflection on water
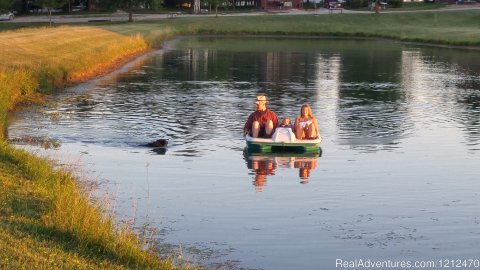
column 282, row 140
column 265, row 164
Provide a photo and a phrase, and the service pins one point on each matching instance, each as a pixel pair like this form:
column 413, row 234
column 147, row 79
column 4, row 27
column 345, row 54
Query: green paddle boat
column 283, row 140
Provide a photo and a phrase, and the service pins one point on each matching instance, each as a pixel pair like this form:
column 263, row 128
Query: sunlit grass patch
column 66, row 53
column 36, row 59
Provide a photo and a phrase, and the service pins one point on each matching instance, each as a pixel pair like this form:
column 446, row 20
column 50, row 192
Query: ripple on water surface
column 396, row 174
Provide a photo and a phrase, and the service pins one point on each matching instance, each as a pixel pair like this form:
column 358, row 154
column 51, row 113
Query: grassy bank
column 47, row 220
column 41, row 59
column 459, row 28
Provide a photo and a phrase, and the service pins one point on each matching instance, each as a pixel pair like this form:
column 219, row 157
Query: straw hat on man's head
column 261, row 99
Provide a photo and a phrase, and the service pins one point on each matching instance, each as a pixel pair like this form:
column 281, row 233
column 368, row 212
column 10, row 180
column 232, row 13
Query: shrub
column 356, row 3
column 395, row 3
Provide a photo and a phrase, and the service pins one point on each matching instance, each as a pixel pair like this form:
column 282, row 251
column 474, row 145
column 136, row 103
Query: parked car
column 80, row 7
column 7, row 16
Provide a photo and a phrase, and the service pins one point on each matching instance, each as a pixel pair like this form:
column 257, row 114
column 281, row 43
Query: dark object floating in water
column 159, row 150
column 158, row 143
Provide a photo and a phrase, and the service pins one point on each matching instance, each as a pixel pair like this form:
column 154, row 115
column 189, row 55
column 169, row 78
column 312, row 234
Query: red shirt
column 262, row 117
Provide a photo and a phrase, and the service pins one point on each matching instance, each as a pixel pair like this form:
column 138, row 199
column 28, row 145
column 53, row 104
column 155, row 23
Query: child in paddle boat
column 306, row 125
column 286, row 123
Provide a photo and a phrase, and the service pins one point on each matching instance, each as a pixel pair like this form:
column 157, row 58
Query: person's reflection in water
column 262, row 167
column 304, row 167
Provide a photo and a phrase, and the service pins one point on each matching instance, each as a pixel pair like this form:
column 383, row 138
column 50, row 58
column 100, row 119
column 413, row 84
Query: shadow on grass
column 31, row 208
column 66, row 241
column 29, row 211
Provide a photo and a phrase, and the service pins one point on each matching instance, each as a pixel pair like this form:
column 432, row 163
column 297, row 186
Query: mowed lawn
column 460, row 28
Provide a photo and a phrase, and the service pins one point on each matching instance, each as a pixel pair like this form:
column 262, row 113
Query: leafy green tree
column 126, row 5
column 358, row 3
column 50, row 5
column 109, row 5
column 5, row 5
column 153, row 4
column 395, row 3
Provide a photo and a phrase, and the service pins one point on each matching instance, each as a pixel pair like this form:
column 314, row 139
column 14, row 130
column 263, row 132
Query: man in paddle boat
column 262, row 122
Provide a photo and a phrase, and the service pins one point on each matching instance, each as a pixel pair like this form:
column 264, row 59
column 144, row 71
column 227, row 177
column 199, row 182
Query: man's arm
column 274, row 119
column 275, row 122
column 248, row 125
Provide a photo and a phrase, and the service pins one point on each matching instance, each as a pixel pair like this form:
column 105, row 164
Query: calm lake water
column 397, row 178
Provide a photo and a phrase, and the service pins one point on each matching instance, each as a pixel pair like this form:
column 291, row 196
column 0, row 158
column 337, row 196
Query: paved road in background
column 121, row 16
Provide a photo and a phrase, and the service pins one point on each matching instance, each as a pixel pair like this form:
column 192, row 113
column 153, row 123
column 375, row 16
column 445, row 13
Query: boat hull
column 283, row 140
column 282, row 147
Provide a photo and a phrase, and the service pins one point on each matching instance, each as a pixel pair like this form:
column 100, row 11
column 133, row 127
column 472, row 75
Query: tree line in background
column 66, row 6
column 38, row 6
column 129, row 6
column 6, row 5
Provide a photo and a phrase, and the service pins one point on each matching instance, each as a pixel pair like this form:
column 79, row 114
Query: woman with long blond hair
column 306, row 125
